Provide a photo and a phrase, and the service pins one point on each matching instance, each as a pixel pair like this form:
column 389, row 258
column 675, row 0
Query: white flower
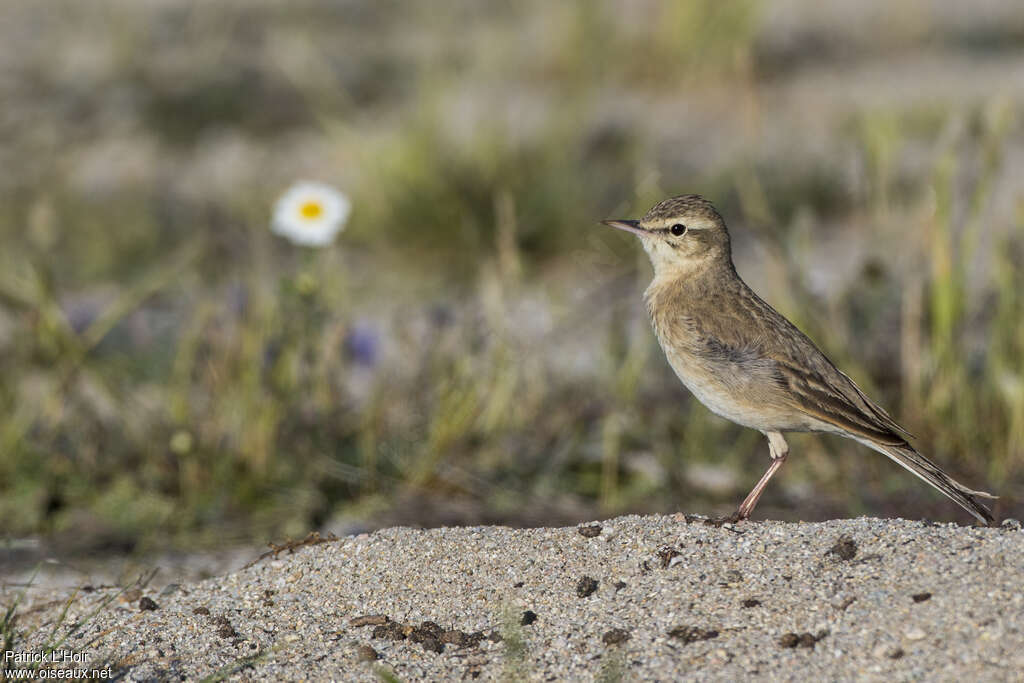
column 310, row 214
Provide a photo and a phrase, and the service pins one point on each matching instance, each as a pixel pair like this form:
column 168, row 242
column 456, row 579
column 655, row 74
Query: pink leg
column 779, row 449
column 751, row 500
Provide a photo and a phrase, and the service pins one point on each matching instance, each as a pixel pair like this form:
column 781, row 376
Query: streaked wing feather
column 814, row 395
column 879, row 412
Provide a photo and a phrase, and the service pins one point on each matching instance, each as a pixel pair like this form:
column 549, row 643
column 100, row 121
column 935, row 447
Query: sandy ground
column 633, row 598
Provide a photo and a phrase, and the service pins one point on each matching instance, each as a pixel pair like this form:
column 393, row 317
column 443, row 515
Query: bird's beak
column 628, row 226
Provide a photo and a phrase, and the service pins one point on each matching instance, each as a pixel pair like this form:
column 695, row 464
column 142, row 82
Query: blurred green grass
column 174, row 374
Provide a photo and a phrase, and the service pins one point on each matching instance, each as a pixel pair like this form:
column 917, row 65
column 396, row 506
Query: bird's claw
column 719, row 522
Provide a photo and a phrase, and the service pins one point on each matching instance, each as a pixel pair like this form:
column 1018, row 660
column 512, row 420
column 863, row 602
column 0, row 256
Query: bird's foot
column 734, row 518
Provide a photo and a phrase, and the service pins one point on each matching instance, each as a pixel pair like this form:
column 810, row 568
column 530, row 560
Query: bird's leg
column 779, row 449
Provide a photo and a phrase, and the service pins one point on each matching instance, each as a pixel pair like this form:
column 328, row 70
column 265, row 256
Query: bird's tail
column 925, row 469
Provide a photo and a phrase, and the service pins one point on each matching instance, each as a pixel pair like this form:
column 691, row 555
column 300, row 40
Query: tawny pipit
column 746, row 362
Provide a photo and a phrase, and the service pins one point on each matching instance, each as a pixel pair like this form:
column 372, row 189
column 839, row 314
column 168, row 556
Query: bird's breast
column 737, row 383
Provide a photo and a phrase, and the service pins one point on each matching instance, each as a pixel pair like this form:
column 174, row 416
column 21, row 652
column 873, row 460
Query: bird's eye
column 678, row 229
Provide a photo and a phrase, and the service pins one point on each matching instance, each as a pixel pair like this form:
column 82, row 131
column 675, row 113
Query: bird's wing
column 813, row 384
column 807, row 380
column 876, row 409
column 834, row 398
column 742, row 328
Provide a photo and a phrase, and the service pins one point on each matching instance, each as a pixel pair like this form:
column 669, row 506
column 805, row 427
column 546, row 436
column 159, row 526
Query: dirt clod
column 615, row 636
column 590, row 531
column 921, row 597
column 147, row 604
column 431, row 644
column 692, row 634
column 845, row 548
column 453, row 637
column 430, row 628
column 227, row 631
column 367, row 654
column 731, row 577
column 586, row 587
column 391, row 630
column 665, row 554
column 461, row 638
column 805, row 639
column 428, row 634
column 224, row 628
column 789, row 640
column 201, row 610
column 751, row 602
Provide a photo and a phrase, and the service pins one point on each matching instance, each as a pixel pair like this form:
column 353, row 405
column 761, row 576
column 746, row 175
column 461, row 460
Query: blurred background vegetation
column 473, row 348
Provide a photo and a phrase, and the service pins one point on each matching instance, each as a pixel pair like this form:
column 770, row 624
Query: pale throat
column 669, row 263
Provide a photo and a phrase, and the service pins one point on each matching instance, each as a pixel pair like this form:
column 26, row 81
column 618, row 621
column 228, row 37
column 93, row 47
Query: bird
column 746, row 362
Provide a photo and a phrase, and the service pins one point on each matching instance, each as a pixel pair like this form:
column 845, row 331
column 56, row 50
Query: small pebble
column 886, row 651
column 846, row 602
column 170, row 589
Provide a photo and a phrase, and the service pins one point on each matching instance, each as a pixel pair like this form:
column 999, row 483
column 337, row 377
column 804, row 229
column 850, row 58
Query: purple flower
column 362, row 344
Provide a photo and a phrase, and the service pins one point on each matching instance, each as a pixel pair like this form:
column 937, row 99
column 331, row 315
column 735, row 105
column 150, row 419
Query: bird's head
column 682, row 235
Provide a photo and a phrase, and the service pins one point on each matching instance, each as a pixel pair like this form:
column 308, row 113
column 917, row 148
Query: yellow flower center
column 311, row 210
